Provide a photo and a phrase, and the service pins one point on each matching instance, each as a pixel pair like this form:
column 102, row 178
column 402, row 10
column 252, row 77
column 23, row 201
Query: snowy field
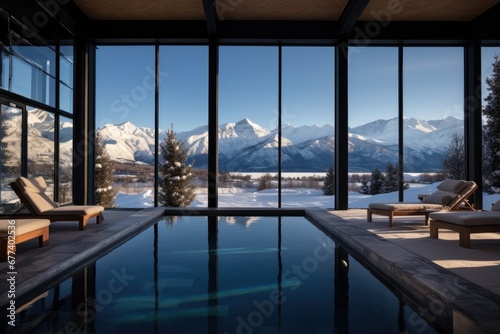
column 301, row 197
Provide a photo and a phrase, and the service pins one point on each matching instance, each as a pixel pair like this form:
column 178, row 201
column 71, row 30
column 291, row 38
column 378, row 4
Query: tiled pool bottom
column 224, row 275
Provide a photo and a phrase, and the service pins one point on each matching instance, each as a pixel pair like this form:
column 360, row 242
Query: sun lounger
column 451, row 195
column 465, row 223
column 13, row 232
column 31, row 192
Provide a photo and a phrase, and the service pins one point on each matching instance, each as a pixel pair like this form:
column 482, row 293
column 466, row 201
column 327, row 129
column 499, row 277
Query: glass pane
column 10, row 156
column 248, row 111
column 66, row 75
column 66, row 71
column 125, row 118
column 490, row 76
column 66, row 57
column 34, row 51
column 65, row 160
column 66, row 98
column 4, row 81
column 32, row 82
column 373, row 123
column 41, row 146
column 184, row 107
column 433, row 88
column 4, row 51
column 308, row 142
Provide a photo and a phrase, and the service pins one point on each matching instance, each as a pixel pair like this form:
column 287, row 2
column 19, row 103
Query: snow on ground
column 300, row 197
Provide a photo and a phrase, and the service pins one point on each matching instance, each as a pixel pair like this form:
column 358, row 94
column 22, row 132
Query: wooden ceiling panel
column 425, row 10
column 292, row 10
column 142, row 9
column 279, row 9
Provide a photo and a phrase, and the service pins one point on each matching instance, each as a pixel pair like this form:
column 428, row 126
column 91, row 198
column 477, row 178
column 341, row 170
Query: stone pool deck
column 457, row 287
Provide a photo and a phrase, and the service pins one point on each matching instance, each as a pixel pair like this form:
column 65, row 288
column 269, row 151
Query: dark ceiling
column 288, row 20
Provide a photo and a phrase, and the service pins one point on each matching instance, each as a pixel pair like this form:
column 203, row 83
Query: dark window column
column 84, row 122
column 473, row 119
column 213, row 123
column 341, row 128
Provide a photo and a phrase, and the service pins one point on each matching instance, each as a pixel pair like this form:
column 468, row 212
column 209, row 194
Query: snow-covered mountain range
column 245, row 146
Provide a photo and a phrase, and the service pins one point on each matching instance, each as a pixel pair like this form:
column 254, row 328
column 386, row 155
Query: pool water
column 223, row 275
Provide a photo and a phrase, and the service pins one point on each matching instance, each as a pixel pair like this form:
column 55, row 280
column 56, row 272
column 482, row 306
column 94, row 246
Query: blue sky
column 248, row 84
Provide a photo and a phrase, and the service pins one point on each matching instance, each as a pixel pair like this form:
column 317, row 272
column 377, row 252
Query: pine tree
column 176, row 187
column 453, row 162
column 391, row 178
column 377, row 182
column 365, row 188
column 265, row 182
column 104, row 166
column 491, row 161
column 329, row 185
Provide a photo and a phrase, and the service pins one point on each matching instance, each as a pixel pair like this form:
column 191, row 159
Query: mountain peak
column 246, row 121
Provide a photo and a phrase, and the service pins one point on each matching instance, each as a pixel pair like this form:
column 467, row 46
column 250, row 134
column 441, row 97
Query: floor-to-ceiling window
column 248, row 118
column 307, row 121
column 36, row 69
column 433, row 95
column 373, row 122
column 125, row 119
column 430, row 85
column 183, row 107
column 66, row 82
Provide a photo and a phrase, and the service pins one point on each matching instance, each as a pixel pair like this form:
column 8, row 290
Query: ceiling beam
column 350, row 15
column 268, row 32
column 210, row 17
column 417, row 32
column 144, row 32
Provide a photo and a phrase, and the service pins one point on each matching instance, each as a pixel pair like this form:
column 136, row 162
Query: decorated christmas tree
column 104, row 192
column 176, row 188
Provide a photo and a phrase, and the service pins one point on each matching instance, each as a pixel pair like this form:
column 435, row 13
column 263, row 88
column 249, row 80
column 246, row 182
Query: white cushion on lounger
column 452, row 186
column 439, row 197
column 405, row 206
column 468, row 218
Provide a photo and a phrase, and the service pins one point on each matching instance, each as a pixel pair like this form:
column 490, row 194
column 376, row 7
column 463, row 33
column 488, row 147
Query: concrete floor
column 428, row 271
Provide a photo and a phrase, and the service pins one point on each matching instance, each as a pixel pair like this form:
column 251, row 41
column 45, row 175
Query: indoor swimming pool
column 198, row 274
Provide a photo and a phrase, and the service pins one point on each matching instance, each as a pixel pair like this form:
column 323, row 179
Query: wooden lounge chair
column 31, row 192
column 451, row 195
column 465, row 223
column 21, row 230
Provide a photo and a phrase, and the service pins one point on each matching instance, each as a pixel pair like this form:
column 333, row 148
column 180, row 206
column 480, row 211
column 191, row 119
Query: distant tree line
column 381, row 183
